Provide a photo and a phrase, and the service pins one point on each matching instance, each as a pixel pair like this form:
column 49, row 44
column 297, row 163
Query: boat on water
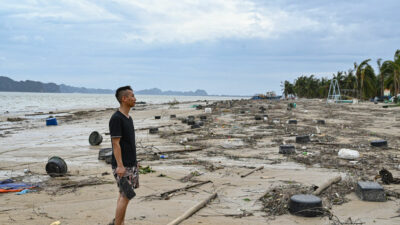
column 271, row 95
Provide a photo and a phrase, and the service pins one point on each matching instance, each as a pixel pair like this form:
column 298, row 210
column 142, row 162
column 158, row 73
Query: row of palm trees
column 359, row 82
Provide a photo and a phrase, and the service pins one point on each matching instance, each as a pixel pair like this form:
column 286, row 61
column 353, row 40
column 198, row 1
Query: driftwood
column 189, row 176
column 83, row 183
column 180, row 132
column 258, row 168
column 168, row 152
column 146, row 128
column 193, row 210
column 240, row 215
column 165, row 195
column 328, row 143
column 327, row 184
column 181, row 150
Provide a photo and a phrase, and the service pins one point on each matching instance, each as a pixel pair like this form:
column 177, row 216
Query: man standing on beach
column 124, row 163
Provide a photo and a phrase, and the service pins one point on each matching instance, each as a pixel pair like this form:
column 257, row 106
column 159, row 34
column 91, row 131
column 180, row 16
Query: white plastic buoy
column 207, row 110
column 345, row 153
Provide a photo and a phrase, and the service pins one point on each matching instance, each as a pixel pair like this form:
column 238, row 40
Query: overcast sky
column 222, row 46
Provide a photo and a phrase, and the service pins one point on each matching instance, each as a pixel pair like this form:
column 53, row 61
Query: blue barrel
column 51, row 122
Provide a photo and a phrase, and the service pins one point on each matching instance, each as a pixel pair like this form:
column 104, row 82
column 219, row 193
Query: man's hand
column 120, row 171
column 118, row 157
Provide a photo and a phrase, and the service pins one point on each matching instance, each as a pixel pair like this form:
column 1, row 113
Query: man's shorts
column 132, row 175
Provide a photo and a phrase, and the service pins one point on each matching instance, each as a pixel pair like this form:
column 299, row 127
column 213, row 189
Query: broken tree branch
column 181, row 150
column 258, row 168
column 165, row 195
column 85, row 183
column 193, row 210
column 146, row 128
column 327, row 184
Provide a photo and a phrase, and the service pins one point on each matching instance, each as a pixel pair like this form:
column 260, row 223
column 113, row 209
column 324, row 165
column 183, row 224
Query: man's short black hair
column 121, row 92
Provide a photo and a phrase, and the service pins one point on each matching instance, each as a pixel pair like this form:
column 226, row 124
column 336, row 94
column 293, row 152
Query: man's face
column 129, row 99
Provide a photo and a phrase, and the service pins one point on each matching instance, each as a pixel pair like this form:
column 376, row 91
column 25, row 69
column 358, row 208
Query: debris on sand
column 190, row 176
column 14, row 119
column 387, row 177
column 275, row 201
column 145, row 170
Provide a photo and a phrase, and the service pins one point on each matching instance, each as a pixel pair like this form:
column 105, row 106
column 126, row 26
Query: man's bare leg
column 122, row 204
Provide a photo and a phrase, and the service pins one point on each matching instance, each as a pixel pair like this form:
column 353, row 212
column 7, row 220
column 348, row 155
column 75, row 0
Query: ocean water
column 16, row 103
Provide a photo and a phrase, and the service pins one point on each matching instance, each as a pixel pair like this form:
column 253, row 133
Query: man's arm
column 118, row 156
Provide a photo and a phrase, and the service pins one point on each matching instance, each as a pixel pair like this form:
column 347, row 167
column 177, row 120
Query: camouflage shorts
column 132, row 173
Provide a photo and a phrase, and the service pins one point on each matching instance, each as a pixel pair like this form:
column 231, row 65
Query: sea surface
column 17, row 103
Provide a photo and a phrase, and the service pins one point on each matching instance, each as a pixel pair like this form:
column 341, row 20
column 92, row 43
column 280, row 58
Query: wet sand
column 232, row 143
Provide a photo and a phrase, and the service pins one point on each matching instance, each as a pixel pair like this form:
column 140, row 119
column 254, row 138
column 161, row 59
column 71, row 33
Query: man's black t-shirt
column 121, row 126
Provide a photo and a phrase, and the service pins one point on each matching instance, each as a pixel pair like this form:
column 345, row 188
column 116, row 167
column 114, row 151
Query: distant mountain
column 7, row 84
column 156, row 91
column 69, row 89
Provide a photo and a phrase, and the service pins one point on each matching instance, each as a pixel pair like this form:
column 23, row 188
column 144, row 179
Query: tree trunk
column 397, row 82
column 394, row 83
column 382, row 92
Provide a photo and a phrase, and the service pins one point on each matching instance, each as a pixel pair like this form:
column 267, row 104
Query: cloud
column 158, row 22
column 183, row 43
column 66, row 11
column 165, row 21
column 191, row 21
column 19, row 38
column 26, row 38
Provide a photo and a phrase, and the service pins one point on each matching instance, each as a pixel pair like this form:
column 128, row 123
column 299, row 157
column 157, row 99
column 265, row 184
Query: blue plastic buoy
column 51, row 122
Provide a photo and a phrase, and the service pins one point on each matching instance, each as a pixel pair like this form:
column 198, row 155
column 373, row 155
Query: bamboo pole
column 193, row 210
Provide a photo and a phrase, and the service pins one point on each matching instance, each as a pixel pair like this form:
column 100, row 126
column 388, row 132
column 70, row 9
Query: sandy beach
column 231, row 143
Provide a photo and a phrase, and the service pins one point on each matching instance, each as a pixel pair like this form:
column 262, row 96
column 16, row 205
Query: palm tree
column 288, row 88
column 387, row 72
column 339, row 77
column 350, row 84
column 369, row 83
column 323, row 87
column 360, row 74
column 380, row 74
column 393, row 67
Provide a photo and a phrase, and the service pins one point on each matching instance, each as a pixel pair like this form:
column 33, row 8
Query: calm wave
column 27, row 102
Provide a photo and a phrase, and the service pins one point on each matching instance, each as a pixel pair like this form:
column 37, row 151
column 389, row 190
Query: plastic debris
column 24, row 192
column 318, row 131
column 345, row 153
